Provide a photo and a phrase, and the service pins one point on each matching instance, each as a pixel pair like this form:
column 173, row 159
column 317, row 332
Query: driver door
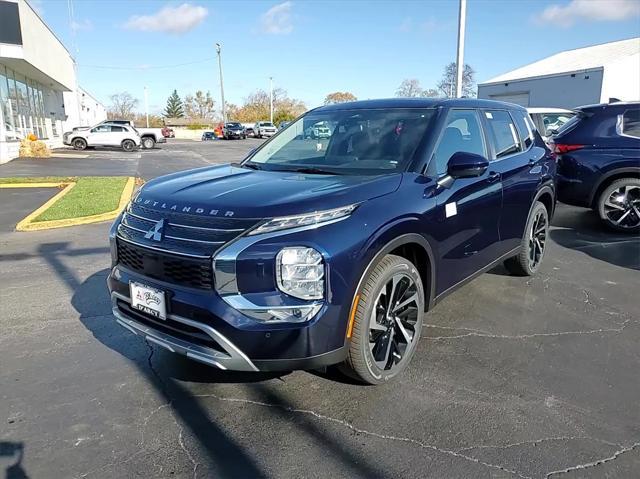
column 468, row 210
column 99, row 135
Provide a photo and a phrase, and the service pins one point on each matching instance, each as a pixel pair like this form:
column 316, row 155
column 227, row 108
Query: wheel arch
column 609, row 178
column 413, row 247
column 547, row 196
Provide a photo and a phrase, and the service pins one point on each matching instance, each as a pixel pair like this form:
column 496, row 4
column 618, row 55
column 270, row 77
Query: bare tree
column 122, row 106
column 447, row 86
column 409, row 88
column 200, row 106
column 339, row 97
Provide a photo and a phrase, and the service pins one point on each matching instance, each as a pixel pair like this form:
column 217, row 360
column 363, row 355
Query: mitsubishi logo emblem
column 155, row 233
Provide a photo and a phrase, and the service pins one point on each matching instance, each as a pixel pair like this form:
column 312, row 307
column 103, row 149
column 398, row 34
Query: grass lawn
column 91, row 195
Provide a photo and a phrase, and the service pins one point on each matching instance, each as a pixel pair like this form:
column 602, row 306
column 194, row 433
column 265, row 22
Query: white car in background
column 264, row 128
column 148, row 136
column 104, row 134
column 549, row 120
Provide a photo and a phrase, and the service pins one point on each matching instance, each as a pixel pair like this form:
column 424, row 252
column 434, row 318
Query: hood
column 242, row 193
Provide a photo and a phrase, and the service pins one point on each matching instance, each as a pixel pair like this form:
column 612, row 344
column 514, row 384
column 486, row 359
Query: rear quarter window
column 525, row 131
column 631, row 123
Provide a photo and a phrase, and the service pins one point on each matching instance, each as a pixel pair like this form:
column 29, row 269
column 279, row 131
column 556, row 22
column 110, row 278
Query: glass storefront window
column 12, row 129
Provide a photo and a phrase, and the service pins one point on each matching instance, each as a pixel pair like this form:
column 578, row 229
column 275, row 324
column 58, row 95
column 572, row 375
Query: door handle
column 493, row 176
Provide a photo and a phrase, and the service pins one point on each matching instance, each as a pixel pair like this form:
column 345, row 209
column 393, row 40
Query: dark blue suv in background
column 599, row 163
column 322, row 251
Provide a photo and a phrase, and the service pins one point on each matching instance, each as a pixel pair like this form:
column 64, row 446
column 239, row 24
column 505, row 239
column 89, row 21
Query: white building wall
column 567, row 90
column 82, row 109
column 622, row 79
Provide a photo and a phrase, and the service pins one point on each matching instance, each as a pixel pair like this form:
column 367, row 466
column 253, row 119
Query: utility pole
column 146, row 105
column 271, row 99
column 224, row 106
column 462, row 18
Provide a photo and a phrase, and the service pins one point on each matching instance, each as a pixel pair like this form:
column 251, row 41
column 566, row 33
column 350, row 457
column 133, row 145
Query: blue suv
column 330, row 250
column 599, row 163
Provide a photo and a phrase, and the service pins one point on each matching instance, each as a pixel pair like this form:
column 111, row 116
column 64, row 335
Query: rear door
column 519, row 161
column 468, row 211
column 118, row 133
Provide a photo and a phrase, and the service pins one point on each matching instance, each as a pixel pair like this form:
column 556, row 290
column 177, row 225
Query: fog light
column 300, row 272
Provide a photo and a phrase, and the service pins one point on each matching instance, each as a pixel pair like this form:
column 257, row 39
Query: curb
column 27, row 224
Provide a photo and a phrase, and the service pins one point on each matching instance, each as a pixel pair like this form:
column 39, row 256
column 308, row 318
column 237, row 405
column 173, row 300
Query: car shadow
column 582, row 230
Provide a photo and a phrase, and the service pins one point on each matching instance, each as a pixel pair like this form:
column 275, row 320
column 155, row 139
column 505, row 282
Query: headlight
column 317, row 218
column 300, row 272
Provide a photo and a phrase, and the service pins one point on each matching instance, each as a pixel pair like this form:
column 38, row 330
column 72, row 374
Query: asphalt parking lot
column 514, row 377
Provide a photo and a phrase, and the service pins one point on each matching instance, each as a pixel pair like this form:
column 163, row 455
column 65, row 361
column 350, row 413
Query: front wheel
column 148, row 143
column 533, row 245
column 128, row 145
column 79, row 144
column 387, row 322
column 619, row 205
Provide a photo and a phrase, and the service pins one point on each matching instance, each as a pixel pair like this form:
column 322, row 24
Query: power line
column 145, row 67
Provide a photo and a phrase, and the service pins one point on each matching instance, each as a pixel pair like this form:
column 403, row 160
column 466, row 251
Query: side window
column 503, row 133
column 631, row 123
column 524, row 129
column 101, row 129
column 462, row 132
column 117, row 129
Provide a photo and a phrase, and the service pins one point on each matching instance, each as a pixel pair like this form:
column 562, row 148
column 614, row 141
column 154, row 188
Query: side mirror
column 466, row 165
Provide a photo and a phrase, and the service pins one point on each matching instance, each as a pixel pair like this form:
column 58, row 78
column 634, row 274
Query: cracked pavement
column 514, row 377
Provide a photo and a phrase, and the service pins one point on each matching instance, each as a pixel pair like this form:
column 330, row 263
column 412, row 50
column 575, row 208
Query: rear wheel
column 79, row 144
column 619, row 205
column 533, row 245
column 387, row 322
column 148, row 142
column 128, row 145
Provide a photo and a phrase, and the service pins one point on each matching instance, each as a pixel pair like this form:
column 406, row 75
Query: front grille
column 191, row 272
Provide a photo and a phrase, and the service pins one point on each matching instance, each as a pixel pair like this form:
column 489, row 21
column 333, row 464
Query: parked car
column 149, row 136
column 104, row 134
column 168, row 132
column 549, row 120
column 233, row 130
column 599, row 163
column 264, row 129
column 301, row 257
column 208, row 135
column 317, row 131
column 249, row 131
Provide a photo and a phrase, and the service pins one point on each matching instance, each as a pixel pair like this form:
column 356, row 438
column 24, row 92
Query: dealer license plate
column 148, row 300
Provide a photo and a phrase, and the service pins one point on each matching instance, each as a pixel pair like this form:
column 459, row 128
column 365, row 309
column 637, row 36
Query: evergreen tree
column 174, row 107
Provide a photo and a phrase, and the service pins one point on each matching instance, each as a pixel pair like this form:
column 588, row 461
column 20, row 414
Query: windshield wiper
column 253, row 166
column 314, row 171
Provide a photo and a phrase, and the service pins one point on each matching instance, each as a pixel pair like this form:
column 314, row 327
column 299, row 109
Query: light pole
column 462, row 18
column 224, row 106
column 146, row 105
column 271, row 99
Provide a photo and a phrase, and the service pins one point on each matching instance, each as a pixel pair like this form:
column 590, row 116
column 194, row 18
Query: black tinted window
column 461, row 133
column 503, row 133
column 631, row 123
column 524, row 129
column 118, row 129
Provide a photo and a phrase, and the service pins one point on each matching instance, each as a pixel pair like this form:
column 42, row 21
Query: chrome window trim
column 620, row 127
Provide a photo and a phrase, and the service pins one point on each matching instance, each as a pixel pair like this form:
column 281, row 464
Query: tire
column 378, row 354
column 533, row 244
column 148, row 143
column 128, row 145
column 619, row 205
column 79, row 144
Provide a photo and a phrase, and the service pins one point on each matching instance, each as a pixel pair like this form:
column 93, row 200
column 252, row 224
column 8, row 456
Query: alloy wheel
column 392, row 326
column 537, row 239
column 622, row 207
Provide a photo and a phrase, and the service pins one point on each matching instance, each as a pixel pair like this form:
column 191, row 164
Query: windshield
column 363, row 142
column 265, row 124
column 234, row 125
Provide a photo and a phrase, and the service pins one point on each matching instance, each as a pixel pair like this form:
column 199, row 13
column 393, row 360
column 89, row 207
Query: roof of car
column 418, row 103
column 548, row 110
column 613, row 104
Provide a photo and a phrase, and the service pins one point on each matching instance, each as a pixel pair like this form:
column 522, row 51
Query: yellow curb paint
column 28, row 224
column 30, row 185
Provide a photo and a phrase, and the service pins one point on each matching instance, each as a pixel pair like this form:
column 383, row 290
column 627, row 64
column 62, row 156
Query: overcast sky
column 313, row 48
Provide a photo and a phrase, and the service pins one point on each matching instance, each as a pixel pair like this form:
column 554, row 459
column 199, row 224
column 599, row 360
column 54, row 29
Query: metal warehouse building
column 39, row 93
column 572, row 78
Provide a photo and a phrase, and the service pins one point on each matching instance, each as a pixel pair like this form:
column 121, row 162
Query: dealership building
column 595, row 74
column 39, row 93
